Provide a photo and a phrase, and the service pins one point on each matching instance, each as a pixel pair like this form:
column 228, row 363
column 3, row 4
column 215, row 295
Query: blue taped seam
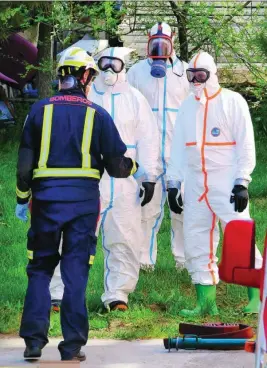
column 131, row 145
column 172, row 235
column 171, row 109
column 98, row 92
column 164, row 168
column 110, row 202
column 164, row 126
column 157, row 221
column 103, row 245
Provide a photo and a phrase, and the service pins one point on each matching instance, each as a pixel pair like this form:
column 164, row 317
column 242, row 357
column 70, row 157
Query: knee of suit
column 75, row 282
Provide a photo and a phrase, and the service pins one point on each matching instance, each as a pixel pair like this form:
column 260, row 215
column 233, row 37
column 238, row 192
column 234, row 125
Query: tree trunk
column 115, row 41
column 181, row 17
column 44, row 75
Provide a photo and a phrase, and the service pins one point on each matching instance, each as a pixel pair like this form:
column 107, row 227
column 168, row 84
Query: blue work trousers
column 77, row 221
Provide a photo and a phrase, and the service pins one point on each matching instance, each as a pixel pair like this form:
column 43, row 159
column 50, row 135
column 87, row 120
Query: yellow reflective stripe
column 76, row 51
column 134, row 168
column 21, row 194
column 91, row 260
column 30, row 254
column 87, row 137
column 46, row 135
column 66, row 172
column 73, row 63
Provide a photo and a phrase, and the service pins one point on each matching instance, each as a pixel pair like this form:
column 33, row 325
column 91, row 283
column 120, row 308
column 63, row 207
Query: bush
column 11, row 135
column 258, row 107
column 257, row 99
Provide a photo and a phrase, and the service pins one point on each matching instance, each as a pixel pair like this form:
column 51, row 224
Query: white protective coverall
column 164, row 96
column 212, row 150
column 120, row 203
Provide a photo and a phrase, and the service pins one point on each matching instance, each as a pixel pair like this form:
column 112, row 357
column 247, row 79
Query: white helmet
column 75, row 58
column 161, row 27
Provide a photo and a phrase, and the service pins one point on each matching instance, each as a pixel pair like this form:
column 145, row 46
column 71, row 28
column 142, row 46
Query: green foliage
column 223, row 28
column 64, row 21
column 232, row 31
column 13, row 18
column 10, row 136
column 68, row 18
column 260, row 104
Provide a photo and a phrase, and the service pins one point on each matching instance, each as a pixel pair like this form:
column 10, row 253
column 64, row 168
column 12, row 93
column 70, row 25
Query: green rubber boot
column 254, row 301
column 206, row 302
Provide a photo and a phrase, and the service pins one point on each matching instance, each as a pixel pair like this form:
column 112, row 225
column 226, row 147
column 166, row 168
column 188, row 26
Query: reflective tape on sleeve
column 134, row 168
column 23, row 195
column 91, row 260
column 30, row 254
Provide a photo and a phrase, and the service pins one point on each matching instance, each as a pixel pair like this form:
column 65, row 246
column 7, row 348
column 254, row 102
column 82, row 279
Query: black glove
column 239, row 197
column 175, row 200
column 146, row 191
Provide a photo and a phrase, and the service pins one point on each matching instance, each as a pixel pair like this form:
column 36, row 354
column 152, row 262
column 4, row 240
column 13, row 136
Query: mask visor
column 197, row 75
column 159, row 47
column 108, row 62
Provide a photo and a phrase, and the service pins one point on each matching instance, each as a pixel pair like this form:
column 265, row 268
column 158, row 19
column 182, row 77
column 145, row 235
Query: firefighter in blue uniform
column 67, row 142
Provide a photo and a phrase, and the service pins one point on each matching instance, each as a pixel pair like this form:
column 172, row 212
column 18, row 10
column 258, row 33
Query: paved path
column 127, row 354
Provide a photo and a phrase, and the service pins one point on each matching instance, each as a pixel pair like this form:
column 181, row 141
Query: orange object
column 250, row 346
column 220, row 144
column 30, row 206
column 195, row 62
column 238, row 255
column 120, row 307
column 56, row 308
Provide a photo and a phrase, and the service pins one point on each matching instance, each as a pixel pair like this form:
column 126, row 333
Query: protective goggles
column 199, row 75
column 159, row 47
column 106, row 62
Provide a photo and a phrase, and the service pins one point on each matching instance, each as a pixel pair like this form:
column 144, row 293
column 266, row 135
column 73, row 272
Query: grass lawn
column 159, row 296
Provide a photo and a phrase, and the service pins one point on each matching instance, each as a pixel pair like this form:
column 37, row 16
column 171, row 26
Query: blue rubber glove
column 21, row 211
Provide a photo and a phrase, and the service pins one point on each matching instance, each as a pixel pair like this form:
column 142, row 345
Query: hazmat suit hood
column 108, row 80
column 160, row 42
column 211, row 86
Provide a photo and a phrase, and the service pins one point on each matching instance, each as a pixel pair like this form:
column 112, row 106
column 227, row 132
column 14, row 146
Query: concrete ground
column 125, row 354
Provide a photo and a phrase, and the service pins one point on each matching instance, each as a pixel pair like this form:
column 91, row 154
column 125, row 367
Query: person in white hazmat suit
column 120, row 221
column 213, row 153
column 161, row 78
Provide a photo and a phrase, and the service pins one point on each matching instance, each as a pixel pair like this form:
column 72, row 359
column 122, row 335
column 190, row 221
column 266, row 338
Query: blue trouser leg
column 79, row 242
column 77, row 221
column 43, row 242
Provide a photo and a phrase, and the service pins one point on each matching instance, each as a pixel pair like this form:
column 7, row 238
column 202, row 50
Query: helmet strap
column 88, row 79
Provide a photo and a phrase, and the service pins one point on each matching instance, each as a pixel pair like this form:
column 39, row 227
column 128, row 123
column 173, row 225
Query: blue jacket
column 66, row 144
